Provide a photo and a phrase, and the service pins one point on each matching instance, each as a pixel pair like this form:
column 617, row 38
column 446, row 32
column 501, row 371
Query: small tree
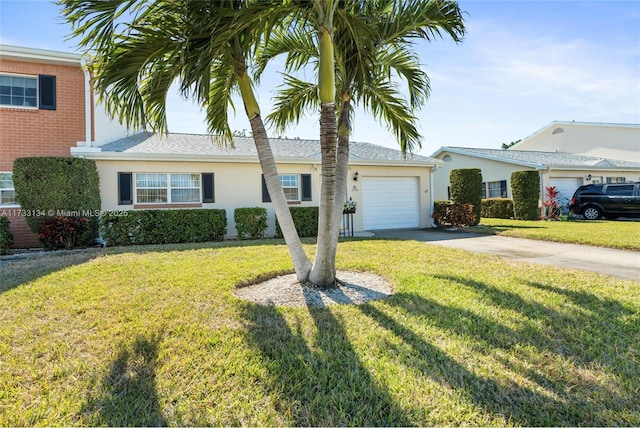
column 466, row 188
column 525, row 188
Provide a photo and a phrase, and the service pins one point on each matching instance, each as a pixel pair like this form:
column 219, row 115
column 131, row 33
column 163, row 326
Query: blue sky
column 522, row 65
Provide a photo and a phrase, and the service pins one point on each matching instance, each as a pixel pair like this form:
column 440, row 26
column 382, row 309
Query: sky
column 521, row 65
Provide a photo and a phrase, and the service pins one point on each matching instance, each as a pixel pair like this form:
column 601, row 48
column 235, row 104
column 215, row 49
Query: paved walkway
column 619, row 263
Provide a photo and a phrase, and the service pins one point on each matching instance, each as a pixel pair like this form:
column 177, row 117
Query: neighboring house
column 565, row 171
column 602, row 140
column 46, row 108
column 147, row 171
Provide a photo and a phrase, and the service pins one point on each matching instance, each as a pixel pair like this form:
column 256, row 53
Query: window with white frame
column 158, row 188
column 494, row 189
column 18, row 91
column 611, row 180
column 596, row 180
column 7, row 193
column 291, row 186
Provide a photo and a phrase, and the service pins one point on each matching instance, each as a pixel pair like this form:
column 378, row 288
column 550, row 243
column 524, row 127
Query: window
column 18, row 91
column 167, row 188
column 596, row 180
column 7, row 193
column 611, row 180
column 291, row 187
column 494, row 189
column 626, row 190
column 297, row 187
column 28, row 91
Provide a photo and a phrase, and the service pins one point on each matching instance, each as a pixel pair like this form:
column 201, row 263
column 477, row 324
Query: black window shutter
column 449, row 193
column 503, row 188
column 306, row 187
column 208, row 189
column 47, row 92
column 484, row 190
column 125, row 190
column 265, row 192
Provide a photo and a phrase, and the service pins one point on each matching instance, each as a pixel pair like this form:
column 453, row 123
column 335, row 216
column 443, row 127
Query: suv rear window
column 625, row 190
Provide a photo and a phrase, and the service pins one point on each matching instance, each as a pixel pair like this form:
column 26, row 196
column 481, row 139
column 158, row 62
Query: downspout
column 84, row 63
column 431, row 200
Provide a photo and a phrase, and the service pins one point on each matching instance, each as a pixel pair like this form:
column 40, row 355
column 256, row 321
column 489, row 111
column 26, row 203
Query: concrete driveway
column 619, row 263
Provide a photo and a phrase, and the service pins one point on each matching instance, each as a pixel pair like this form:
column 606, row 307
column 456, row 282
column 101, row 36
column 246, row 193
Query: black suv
column 609, row 200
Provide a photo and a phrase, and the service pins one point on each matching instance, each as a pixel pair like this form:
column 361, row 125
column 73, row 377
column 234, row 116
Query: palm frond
column 295, row 98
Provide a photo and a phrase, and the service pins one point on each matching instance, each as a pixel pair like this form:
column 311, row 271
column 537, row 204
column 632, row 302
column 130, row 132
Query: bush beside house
column 525, row 188
column 250, row 222
column 466, row 188
column 48, row 187
column 143, row 227
column 305, row 219
column 453, row 214
column 6, row 237
column 497, row 208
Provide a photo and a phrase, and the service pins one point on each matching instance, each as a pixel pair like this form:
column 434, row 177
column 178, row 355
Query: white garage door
column 566, row 187
column 390, row 202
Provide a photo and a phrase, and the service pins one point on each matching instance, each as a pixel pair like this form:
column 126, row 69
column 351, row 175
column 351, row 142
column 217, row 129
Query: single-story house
column 601, row 140
column 565, row 171
column 150, row 171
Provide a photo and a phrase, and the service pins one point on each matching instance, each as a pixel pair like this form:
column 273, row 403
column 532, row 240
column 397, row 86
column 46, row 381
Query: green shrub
column 6, row 237
column 525, row 188
column 453, row 214
column 250, row 221
column 62, row 232
column 497, row 208
column 466, row 188
column 142, row 227
column 305, row 219
column 58, row 186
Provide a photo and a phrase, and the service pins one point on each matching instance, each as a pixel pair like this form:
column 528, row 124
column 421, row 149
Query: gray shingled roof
column 545, row 159
column 206, row 145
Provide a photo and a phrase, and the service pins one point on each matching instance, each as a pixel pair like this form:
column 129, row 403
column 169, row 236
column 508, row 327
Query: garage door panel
column 390, row 202
column 565, row 186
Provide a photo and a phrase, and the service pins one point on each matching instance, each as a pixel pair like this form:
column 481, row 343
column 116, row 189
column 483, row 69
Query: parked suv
column 609, row 200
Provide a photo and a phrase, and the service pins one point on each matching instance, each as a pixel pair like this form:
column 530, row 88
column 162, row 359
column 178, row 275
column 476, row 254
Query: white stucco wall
column 599, row 140
column 105, row 128
column 240, row 185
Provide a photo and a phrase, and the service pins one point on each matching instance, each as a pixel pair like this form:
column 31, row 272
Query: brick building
column 46, row 108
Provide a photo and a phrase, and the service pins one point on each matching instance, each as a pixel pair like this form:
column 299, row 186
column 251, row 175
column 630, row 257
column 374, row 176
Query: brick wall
column 33, row 132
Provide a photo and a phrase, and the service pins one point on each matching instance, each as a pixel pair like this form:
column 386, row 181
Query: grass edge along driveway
column 155, row 336
column 623, row 235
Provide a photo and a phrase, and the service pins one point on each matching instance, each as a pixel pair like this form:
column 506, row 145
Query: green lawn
column 155, row 336
column 613, row 234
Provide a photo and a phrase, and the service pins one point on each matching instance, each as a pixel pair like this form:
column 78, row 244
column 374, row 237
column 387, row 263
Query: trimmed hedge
column 525, row 188
column 6, row 237
column 142, row 227
column 497, row 208
column 466, row 188
column 251, row 221
column 58, row 186
column 305, row 219
column 453, row 214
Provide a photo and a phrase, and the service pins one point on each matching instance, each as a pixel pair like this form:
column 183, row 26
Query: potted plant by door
column 349, row 207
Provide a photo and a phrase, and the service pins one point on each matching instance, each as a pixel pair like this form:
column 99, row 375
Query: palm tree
column 142, row 47
column 373, row 42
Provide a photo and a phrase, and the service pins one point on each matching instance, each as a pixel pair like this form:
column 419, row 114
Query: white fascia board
column 96, row 154
column 19, row 53
column 593, row 168
column 492, row 158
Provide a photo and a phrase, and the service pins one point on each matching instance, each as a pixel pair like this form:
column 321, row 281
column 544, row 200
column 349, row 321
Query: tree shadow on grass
column 321, row 383
column 581, row 339
column 127, row 395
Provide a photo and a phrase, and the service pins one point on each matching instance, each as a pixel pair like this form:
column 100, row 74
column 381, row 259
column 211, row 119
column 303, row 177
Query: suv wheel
column 591, row 213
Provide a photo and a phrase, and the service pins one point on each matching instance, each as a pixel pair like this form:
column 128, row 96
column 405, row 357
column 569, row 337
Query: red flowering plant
column 551, row 208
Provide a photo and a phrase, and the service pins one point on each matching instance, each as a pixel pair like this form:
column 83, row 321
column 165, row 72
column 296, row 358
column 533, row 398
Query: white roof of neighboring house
column 205, row 148
column 557, row 123
column 539, row 160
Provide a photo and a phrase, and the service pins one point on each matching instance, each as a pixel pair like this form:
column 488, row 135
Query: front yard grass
column 624, row 235
column 155, row 336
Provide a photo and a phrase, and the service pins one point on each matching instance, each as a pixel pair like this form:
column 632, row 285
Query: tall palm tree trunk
column 323, row 269
column 342, row 168
column 301, row 262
